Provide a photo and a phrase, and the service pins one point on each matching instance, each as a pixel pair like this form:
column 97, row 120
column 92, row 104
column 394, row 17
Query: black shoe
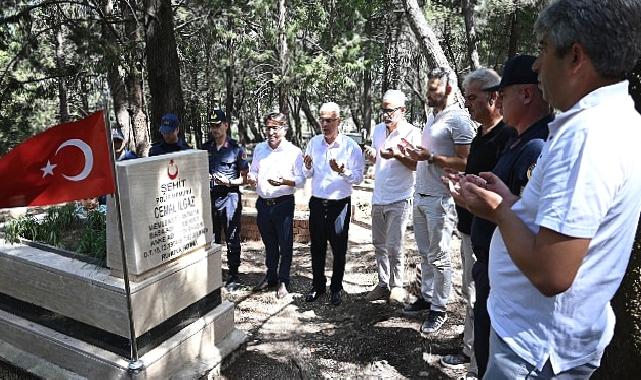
column 264, row 285
column 336, row 298
column 435, row 320
column 313, row 295
column 232, row 284
column 419, row 306
column 282, row 291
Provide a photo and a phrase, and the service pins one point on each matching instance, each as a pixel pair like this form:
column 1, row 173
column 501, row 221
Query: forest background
column 63, row 59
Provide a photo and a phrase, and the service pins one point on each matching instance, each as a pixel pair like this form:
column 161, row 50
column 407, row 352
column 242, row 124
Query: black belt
column 222, row 189
column 423, row 195
column 277, row 200
column 328, row 202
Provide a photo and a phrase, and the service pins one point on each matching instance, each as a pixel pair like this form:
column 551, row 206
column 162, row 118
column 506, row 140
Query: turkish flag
column 66, row 162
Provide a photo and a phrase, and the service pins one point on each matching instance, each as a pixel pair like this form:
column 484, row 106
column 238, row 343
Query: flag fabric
column 66, row 162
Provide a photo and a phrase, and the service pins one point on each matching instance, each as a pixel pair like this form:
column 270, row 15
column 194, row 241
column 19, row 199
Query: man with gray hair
column 491, row 136
column 561, row 248
column 445, row 143
column 393, row 188
column 334, row 162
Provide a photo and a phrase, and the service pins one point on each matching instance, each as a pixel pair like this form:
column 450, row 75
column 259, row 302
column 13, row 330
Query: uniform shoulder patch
column 530, row 170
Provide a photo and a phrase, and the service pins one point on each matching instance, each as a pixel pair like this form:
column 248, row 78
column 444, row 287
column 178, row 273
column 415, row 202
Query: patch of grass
column 66, row 228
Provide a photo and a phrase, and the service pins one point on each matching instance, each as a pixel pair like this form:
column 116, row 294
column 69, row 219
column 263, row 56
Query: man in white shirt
column 393, row 188
column 562, row 248
column 446, row 141
column 334, row 162
column 276, row 170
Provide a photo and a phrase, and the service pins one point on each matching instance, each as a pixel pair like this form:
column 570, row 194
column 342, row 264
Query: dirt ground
column 291, row 338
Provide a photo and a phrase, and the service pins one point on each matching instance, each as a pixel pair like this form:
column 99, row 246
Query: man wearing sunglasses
column 393, row 188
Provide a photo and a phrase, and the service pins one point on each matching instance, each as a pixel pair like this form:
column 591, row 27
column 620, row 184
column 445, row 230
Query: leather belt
column 277, row 200
column 328, row 202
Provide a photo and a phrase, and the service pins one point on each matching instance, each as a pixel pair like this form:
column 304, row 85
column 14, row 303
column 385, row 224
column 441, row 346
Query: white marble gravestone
column 166, row 210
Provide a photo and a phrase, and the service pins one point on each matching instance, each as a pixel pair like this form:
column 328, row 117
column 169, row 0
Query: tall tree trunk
column 512, row 46
column 392, row 66
column 163, row 66
column 59, row 41
column 427, row 40
column 229, row 76
column 282, row 58
column 309, row 115
column 138, row 117
column 469, row 15
column 366, row 100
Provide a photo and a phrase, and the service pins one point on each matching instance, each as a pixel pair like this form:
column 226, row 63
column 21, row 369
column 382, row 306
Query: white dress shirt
column 393, row 181
column 586, row 184
column 326, row 183
column 285, row 161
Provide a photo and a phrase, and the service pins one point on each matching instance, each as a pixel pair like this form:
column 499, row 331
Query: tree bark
column 512, row 46
column 470, row 33
column 309, row 115
column 366, row 100
column 392, row 66
column 428, row 41
column 59, row 41
column 163, row 65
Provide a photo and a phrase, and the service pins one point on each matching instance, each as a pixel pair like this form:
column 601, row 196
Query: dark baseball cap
column 116, row 134
column 517, row 70
column 218, row 116
column 168, row 123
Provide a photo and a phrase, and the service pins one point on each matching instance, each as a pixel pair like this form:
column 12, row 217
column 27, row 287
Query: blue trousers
column 226, row 209
column 276, row 226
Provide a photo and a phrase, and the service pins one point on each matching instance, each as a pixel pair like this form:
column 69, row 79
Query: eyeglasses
column 272, row 128
column 328, row 120
column 389, row 111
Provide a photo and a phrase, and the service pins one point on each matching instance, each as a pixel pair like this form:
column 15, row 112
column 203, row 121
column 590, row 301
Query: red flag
column 66, row 162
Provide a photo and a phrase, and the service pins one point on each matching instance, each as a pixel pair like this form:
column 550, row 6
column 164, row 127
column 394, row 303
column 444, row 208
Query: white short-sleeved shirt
column 442, row 132
column 393, row 181
column 285, row 161
column 586, row 184
column 326, row 183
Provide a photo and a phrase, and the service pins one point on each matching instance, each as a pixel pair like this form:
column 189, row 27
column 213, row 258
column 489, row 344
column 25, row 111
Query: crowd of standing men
column 546, row 204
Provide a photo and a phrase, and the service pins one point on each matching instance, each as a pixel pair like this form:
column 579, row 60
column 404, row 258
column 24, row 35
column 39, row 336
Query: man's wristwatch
column 430, row 158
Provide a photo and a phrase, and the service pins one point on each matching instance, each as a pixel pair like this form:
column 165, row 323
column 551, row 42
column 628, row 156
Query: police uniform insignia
column 530, row 170
column 243, row 156
column 215, row 116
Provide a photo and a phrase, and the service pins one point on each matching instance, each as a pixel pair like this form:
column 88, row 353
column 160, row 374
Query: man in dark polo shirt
column 525, row 110
column 228, row 169
column 491, row 137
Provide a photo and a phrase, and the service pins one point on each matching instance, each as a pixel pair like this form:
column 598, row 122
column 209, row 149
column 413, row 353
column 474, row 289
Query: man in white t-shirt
column 393, row 189
column 562, row 248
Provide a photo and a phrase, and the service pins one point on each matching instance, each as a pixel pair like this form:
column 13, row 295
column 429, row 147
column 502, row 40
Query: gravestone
column 165, row 207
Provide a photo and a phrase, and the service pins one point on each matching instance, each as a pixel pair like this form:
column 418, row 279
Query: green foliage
column 63, row 227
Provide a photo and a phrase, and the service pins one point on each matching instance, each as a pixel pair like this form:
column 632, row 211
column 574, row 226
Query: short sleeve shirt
column 585, row 185
column 443, row 131
column 229, row 161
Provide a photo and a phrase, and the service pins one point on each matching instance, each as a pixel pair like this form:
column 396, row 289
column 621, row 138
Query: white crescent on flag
column 86, row 151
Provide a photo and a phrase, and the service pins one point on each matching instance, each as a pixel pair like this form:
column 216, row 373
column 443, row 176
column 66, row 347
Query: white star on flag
column 48, row 169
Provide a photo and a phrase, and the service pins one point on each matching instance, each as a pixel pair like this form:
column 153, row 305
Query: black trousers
column 226, row 209
column 275, row 221
column 329, row 221
column 481, row 317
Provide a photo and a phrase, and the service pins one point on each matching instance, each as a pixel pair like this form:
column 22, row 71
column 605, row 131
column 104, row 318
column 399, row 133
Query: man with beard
column 445, row 143
column 393, row 188
column 491, row 136
column 276, row 170
column 334, row 162
column 227, row 171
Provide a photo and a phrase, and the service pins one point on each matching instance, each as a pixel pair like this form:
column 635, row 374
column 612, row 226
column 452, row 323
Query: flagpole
column 134, row 363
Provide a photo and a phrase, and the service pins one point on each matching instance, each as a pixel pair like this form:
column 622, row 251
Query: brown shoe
column 282, row 291
column 378, row 293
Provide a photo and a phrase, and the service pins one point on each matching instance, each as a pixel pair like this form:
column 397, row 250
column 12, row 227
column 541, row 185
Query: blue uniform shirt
column 164, row 148
column 229, row 161
column 514, row 168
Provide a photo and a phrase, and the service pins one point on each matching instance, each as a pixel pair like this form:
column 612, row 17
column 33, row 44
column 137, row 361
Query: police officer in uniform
column 228, row 169
column 171, row 142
